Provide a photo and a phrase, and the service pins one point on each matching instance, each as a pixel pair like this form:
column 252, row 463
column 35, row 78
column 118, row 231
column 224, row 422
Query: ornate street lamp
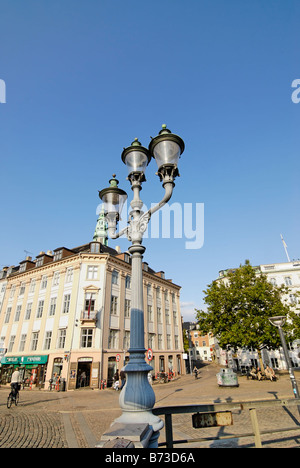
column 137, row 397
column 279, row 322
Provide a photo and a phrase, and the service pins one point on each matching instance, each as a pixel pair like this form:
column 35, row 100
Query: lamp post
column 137, row 397
column 279, row 323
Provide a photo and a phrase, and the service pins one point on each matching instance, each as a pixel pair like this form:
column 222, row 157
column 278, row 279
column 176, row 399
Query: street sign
column 149, row 354
column 223, row 418
column 118, row 357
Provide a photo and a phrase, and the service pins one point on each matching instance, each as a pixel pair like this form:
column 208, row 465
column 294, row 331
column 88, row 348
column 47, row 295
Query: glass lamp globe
column 113, row 197
column 136, row 157
column 166, row 148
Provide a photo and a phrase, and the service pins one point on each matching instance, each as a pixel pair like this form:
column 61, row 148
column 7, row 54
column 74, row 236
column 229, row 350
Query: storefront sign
column 23, row 360
column 10, row 360
column 34, row 360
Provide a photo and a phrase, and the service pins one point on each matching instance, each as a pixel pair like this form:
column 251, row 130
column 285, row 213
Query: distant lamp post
column 137, row 397
column 279, row 323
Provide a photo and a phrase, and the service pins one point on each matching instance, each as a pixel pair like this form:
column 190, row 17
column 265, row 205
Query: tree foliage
column 239, row 307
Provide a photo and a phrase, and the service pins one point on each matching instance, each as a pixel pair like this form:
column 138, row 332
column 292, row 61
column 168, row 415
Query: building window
column 22, row 289
column 288, row 281
column 66, row 304
column 11, row 343
column 61, row 338
column 168, row 341
column 44, row 282
column 32, row 285
column 159, row 316
column 22, row 342
column 113, row 339
column 89, row 302
column 273, row 281
column 115, row 277
column 114, row 305
column 48, row 337
column 176, row 342
column 69, row 275
column 56, row 279
column 175, row 317
column 40, row 309
column 87, row 338
column 57, row 255
column 126, row 340
column 127, row 308
column 52, row 306
column 293, row 299
column 28, row 311
column 39, row 262
column 167, row 317
column 92, row 272
column 7, row 315
column 160, row 342
column 150, row 313
column 95, row 247
column 128, row 282
column 151, row 338
column 34, row 341
column 12, row 291
column 18, row 313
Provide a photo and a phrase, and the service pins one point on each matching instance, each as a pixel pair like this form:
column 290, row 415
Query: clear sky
column 84, row 78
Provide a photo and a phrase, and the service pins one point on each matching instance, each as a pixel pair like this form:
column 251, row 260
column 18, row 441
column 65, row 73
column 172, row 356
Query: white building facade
column 287, row 274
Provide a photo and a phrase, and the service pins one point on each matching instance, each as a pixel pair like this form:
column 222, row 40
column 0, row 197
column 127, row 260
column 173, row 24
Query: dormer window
column 57, row 255
column 39, row 261
column 22, row 268
column 95, row 247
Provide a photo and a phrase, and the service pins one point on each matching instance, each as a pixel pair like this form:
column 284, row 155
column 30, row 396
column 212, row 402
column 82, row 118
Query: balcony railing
column 88, row 316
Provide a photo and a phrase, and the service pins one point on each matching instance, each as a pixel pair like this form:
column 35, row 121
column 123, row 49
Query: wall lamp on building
column 137, row 398
column 279, row 322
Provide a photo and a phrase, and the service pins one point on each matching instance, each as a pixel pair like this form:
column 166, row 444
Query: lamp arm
column 168, row 186
column 116, row 235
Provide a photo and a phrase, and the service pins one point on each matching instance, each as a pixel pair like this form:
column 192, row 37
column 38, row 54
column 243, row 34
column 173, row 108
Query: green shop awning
column 33, row 360
column 24, row 360
column 10, row 360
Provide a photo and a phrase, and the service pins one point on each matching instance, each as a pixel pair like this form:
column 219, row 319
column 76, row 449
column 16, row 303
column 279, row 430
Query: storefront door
column 83, row 374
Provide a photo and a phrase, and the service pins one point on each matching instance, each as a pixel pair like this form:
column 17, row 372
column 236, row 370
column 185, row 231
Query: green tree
column 239, row 307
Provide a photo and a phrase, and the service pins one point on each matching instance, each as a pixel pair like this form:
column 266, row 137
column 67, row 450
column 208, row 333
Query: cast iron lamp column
column 279, row 323
column 137, row 397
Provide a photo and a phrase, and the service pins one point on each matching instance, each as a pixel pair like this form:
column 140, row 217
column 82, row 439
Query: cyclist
column 16, row 381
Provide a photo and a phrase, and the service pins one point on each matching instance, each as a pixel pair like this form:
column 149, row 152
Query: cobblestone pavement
column 78, row 419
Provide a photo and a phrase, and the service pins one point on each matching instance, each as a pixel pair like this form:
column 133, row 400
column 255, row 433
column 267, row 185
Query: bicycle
column 14, row 396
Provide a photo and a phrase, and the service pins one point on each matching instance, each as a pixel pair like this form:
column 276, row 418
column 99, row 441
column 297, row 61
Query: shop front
column 84, row 372
column 32, row 369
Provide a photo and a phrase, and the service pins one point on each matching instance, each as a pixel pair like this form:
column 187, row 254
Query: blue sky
column 84, row 78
